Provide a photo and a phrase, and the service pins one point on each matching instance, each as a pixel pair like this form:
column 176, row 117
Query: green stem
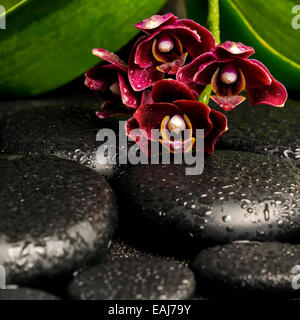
column 213, row 23
column 213, row 19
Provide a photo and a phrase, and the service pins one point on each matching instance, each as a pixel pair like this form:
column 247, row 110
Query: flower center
column 174, row 135
column 229, row 74
column 165, row 44
column 176, row 124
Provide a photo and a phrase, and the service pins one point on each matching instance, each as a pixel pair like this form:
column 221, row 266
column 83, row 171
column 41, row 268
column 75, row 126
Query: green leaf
column 197, row 10
column 10, row 5
column 266, row 25
column 48, row 43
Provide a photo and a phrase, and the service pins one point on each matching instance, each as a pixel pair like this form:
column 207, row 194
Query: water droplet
column 266, row 212
column 226, row 218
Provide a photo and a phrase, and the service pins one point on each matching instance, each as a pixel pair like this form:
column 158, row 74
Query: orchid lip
column 229, row 74
column 176, row 124
column 178, row 146
column 165, row 44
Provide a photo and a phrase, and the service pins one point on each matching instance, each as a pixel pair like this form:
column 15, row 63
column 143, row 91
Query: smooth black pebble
column 134, row 279
column 67, row 132
column 265, row 129
column 55, row 215
column 122, row 249
column 239, row 196
column 22, row 293
column 249, row 267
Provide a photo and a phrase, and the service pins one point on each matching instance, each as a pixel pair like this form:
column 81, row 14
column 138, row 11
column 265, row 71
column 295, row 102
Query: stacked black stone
column 234, row 229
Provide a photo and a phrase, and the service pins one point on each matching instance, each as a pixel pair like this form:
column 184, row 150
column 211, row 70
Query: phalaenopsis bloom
column 175, row 109
column 165, row 48
column 110, row 81
column 146, row 89
column 229, row 71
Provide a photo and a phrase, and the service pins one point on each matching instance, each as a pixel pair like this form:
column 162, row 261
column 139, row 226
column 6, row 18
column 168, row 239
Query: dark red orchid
column 162, row 50
column 229, row 71
column 174, row 109
column 110, row 81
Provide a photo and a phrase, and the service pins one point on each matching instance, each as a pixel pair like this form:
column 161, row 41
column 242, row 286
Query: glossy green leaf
column 48, row 43
column 10, row 5
column 266, row 25
column 197, row 10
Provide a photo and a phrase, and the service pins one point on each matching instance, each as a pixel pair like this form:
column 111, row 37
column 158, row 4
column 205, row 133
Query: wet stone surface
column 23, row 293
column 253, row 267
column 55, row 216
column 238, row 196
column 265, row 129
column 134, row 279
column 9, row 107
column 121, row 249
column 67, row 132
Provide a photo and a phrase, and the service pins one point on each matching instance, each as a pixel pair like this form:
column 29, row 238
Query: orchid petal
column 228, row 103
column 219, row 127
column 150, row 116
column 189, row 40
column 197, row 112
column 110, row 57
column 109, row 110
column 231, row 49
column 156, row 21
column 207, row 39
column 186, row 73
column 255, row 75
column 129, row 97
column 172, row 67
column 168, row 90
column 99, row 78
column 146, row 97
column 135, row 134
column 274, row 94
column 141, row 78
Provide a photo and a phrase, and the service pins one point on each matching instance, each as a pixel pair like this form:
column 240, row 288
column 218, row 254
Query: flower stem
column 213, row 19
column 213, row 23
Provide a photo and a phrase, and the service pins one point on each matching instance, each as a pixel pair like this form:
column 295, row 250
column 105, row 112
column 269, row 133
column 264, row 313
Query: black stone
column 265, row 129
column 67, row 132
column 9, row 107
column 249, row 268
column 134, row 279
column 55, row 215
column 121, row 249
column 23, row 293
column 238, row 196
